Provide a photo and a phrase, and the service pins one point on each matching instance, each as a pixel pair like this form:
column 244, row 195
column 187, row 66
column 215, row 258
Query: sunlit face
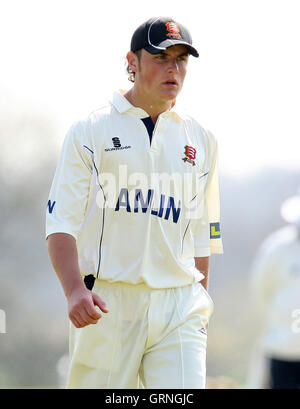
column 161, row 76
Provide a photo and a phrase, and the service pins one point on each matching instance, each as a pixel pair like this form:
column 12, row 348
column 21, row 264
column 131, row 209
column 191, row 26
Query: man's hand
column 82, row 307
column 202, row 264
column 81, row 301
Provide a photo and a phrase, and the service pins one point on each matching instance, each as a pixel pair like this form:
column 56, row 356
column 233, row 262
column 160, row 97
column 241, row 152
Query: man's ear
column 133, row 61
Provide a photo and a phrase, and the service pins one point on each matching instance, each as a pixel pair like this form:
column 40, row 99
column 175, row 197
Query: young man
column 133, row 216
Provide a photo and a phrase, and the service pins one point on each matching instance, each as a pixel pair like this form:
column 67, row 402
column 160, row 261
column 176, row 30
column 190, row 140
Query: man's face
column 161, row 76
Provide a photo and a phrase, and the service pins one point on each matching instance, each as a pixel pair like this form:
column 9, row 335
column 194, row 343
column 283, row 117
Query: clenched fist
column 82, row 305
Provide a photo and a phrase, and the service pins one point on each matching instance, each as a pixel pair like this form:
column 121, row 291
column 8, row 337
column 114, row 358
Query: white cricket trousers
column 153, row 337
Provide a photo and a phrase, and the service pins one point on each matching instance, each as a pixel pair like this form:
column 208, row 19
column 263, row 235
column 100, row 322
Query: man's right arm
column 81, row 301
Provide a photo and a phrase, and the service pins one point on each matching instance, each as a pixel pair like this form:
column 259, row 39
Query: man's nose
column 173, row 65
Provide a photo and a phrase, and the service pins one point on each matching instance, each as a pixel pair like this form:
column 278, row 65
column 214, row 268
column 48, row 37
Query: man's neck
column 152, row 106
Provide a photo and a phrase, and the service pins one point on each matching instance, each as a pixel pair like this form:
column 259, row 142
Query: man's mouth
column 171, row 83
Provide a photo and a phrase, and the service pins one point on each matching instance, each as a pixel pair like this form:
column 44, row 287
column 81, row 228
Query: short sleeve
column 70, row 187
column 207, row 232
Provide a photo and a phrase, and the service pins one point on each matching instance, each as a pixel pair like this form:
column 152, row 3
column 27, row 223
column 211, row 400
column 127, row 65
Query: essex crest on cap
column 173, row 30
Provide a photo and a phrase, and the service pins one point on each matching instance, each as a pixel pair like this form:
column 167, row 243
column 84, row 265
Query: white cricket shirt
column 140, row 211
column 275, row 284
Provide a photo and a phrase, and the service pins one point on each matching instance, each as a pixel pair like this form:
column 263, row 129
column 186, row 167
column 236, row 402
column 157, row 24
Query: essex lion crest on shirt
column 190, row 155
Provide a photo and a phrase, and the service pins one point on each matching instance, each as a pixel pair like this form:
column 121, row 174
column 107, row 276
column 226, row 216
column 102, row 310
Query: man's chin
column 170, row 95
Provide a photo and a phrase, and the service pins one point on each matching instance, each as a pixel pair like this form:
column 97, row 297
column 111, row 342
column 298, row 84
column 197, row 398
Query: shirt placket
column 158, row 133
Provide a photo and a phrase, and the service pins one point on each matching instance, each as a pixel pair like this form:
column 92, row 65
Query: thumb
column 99, row 302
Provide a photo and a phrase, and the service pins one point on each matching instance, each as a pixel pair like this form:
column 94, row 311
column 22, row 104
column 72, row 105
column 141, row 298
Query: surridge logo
column 117, row 145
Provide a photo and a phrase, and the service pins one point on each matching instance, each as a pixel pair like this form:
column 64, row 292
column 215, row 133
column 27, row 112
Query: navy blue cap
column 159, row 33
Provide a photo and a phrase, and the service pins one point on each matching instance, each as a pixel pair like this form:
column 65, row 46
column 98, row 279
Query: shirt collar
column 122, row 105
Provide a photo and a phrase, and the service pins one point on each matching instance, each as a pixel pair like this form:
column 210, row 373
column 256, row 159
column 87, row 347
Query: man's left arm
column 202, row 264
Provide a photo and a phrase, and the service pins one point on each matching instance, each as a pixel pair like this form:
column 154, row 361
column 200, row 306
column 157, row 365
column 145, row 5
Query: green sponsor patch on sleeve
column 215, row 232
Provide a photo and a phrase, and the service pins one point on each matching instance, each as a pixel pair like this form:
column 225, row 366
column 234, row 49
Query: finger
column 75, row 322
column 85, row 318
column 89, row 319
column 92, row 312
column 81, row 315
column 99, row 302
column 76, row 317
